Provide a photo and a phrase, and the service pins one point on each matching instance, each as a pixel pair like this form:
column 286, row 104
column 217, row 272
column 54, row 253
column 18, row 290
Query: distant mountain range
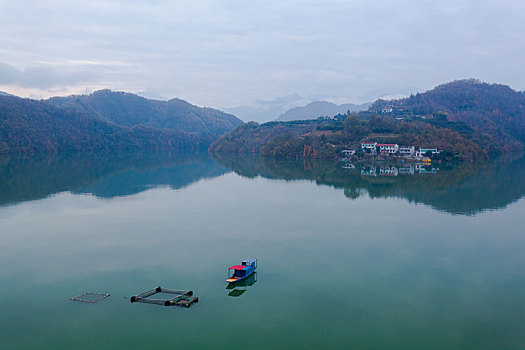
column 320, row 109
column 106, row 120
column 291, row 107
column 264, row 111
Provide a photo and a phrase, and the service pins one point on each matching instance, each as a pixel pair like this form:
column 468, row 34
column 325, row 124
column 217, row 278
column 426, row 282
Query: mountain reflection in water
column 103, row 175
column 464, row 189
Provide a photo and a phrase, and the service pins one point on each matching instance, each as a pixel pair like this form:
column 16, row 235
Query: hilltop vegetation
column 29, row 126
column 467, row 119
column 326, row 138
column 131, row 110
column 105, row 121
column 495, row 112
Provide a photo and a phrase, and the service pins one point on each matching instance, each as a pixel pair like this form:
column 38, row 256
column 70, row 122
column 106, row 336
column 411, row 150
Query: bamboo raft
column 181, row 298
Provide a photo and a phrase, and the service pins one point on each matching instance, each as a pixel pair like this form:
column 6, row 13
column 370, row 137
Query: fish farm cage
column 90, row 297
column 181, row 298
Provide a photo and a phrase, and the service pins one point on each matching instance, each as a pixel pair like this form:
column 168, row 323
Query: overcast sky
column 227, row 53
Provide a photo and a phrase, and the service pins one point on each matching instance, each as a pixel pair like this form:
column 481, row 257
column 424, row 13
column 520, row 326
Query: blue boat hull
column 248, row 274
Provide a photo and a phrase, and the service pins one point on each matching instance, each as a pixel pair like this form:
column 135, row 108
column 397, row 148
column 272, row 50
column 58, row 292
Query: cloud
column 226, row 53
column 8, row 74
column 42, row 77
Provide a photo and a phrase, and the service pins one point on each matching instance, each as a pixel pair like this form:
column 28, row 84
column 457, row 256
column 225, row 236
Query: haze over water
column 347, row 259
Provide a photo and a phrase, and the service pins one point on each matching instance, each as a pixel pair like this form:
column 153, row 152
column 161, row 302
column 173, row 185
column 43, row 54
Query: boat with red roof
column 237, row 273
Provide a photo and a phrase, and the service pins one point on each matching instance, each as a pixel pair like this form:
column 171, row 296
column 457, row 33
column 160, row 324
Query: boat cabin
column 250, row 263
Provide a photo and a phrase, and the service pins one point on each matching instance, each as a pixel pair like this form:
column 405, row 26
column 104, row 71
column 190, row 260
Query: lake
column 363, row 256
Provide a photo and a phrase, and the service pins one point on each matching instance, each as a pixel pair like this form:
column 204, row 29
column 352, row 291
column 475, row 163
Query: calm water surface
column 348, row 258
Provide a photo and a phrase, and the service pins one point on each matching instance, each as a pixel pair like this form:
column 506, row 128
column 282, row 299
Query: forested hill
column 130, row 110
column 29, row 126
column 470, row 119
column 495, row 112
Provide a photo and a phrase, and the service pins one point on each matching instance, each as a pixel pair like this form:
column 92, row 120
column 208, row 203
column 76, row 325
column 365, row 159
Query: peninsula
column 464, row 119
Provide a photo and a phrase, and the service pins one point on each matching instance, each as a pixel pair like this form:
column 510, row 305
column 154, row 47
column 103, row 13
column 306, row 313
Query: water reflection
column 103, row 175
column 464, row 188
column 393, row 170
column 239, row 288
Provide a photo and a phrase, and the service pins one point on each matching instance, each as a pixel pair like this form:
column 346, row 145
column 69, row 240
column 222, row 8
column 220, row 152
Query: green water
column 346, row 260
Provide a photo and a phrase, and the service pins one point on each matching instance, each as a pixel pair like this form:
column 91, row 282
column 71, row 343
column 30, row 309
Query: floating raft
column 90, row 297
column 182, row 297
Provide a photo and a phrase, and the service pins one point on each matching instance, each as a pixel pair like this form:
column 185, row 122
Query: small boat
column 237, row 273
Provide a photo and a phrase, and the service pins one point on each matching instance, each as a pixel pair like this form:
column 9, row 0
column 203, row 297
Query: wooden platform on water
column 181, row 298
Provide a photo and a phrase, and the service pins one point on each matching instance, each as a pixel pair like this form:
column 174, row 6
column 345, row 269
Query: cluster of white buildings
column 395, row 149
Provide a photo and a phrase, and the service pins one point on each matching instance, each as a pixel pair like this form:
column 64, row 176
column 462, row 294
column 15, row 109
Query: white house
column 423, row 151
column 371, row 147
column 389, row 148
column 348, row 152
column 407, row 150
